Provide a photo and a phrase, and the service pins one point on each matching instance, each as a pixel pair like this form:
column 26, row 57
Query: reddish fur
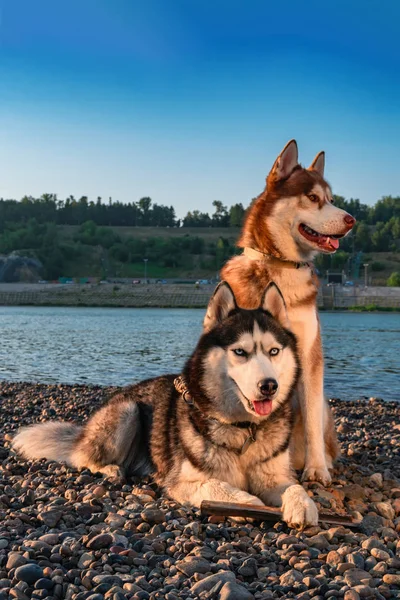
column 249, row 278
column 255, row 233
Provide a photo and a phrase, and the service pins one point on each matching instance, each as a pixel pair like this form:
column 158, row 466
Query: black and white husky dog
column 219, row 431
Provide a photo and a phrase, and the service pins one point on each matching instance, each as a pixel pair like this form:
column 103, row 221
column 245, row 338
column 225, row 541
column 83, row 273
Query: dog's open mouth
column 328, row 243
column 261, row 407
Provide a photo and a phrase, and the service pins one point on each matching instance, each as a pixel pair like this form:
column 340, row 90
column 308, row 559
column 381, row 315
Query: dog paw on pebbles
column 320, row 474
column 297, row 507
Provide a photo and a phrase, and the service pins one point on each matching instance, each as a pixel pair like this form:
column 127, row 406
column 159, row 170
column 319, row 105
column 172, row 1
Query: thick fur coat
column 292, row 220
column 221, row 431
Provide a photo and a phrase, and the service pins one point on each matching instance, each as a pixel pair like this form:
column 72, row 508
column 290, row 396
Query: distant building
column 332, row 277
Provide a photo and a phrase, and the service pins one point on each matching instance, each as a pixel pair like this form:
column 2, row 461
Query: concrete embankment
column 175, row 296
column 140, row 295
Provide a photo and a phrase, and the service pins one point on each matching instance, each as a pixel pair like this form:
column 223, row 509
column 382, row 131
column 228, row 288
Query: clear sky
column 190, row 101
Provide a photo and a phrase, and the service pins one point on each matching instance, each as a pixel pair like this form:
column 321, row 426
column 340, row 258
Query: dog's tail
column 54, row 441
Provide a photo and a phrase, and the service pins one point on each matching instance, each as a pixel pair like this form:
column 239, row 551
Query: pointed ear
column 274, row 303
column 219, row 307
column 286, row 162
column 318, row 164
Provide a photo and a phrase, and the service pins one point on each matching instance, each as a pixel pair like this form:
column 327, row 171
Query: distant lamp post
column 366, row 265
column 145, row 260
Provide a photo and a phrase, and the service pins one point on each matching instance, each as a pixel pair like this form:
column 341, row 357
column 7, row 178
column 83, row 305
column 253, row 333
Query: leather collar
column 181, row 388
column 254, row 254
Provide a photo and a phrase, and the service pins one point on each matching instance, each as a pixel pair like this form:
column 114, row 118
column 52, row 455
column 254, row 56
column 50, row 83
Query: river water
column 116, row 346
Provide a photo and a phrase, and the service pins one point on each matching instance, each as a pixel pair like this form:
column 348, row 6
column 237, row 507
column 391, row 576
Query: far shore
column 179, row 295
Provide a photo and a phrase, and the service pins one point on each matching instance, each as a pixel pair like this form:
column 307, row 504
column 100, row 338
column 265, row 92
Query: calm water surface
column 118, row 346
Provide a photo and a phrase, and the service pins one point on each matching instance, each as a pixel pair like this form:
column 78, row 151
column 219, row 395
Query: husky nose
column 267, row 387
column 349, row 220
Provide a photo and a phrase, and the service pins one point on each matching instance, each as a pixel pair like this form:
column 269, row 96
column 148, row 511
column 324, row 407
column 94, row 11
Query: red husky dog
column 292, row 220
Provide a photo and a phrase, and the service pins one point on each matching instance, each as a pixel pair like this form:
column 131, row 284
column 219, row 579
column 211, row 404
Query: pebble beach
column 75, row 535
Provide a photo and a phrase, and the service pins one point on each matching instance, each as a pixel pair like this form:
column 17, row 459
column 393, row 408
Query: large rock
column 206, row 584
column 153, row 515
column 355, row 577
column 318, row 541
column 248, row 568
column 385, row 509
column 193, row 564
column 290, row 577
column 51, row 516
column 29, row 573
column 100, row 541
column 234, row 591
column 392, row 579
column 15, row 560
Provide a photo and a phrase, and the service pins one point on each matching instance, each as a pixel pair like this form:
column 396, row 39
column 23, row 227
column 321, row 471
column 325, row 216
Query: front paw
column 245, row 498
column 320, row 474
column 298, row 509
column 114, row 473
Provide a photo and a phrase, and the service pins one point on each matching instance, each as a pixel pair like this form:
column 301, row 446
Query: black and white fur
column 225, row 437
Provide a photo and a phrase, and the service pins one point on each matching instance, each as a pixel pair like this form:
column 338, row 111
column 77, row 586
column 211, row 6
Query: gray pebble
column 15, row 560
column 29, row 573
column 355, row 577
column 103, row 540
column 291, row 577
column 248, row 568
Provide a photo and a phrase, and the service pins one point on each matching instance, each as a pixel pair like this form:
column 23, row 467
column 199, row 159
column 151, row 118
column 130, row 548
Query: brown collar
column 181, row 388
column 280, row 262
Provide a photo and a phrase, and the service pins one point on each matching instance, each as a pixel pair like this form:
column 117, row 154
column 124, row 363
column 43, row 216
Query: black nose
column 267, row 387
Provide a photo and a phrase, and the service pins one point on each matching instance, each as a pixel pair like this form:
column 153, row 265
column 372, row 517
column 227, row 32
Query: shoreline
column 179, row 296
column 78, row 536
column 357, row 309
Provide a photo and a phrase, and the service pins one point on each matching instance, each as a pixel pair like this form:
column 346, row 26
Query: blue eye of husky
column 239, row 352
column 274, row 351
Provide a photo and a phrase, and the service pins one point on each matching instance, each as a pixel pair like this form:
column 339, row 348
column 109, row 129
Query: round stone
column 29, row 573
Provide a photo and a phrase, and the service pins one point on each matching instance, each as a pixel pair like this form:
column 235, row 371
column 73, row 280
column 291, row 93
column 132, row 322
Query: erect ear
column 286, row 162
column 219, row 307
column 274, row 303
column 318, row 164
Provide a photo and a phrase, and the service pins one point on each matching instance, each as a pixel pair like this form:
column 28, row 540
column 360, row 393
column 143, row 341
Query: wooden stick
column 266, row 513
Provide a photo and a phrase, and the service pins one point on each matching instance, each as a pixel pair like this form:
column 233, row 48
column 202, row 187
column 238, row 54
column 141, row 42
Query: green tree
column 362, row 237
column 236, row 215
column 197, row 219
column 386, row 208
column 220, row 218
column 144, row 205
column 120, row 252
column 381, row 237
column 394, row 279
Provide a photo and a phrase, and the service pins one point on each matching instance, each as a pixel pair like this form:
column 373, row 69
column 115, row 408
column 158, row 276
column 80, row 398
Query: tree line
column 33, row 227
column 144, row 213
column 377, row 228
column 102, row 252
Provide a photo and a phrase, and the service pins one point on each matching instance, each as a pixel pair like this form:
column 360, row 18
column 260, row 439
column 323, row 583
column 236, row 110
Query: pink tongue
column 334, row 243
column 328, row 242
column 262, row 407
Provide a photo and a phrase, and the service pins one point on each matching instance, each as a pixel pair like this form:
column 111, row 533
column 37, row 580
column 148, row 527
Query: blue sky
column 190, row 101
